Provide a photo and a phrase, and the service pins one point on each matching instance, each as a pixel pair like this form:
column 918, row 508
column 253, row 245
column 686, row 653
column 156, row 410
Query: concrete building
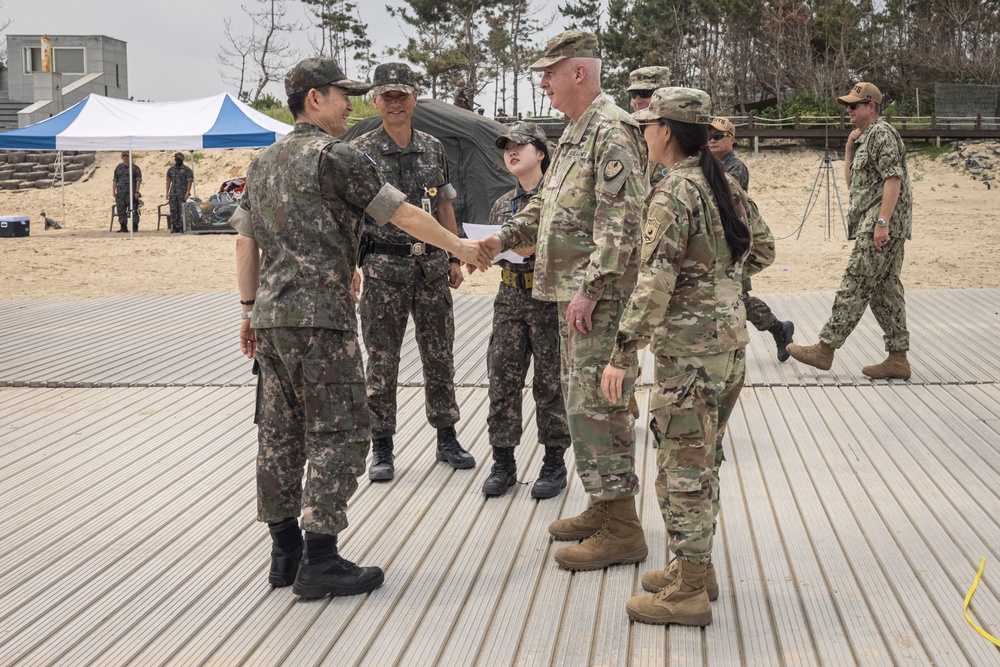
column 81, row 65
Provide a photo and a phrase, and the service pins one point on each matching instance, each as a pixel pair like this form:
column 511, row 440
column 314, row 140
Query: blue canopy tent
column 103, row 124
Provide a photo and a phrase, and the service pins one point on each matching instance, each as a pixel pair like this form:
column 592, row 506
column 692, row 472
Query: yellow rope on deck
column 968, row 599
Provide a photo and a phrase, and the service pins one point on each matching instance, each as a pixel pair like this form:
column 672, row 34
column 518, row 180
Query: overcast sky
column 172, row 45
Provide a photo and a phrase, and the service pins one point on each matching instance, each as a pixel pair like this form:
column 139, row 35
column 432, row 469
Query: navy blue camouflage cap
column 394, row 76
column 521, row 132
column 687, row 105
column 318, row 72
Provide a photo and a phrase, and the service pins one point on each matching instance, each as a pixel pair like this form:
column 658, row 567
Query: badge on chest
column 425, row 202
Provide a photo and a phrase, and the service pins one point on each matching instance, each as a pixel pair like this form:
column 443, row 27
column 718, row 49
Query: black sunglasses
column 715, row 136
column 854, row 105
column 642, row 94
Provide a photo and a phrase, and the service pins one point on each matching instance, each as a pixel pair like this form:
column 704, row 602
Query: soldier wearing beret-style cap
column 298, row 225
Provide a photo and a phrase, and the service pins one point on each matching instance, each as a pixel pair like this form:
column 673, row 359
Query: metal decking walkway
column 854, row 512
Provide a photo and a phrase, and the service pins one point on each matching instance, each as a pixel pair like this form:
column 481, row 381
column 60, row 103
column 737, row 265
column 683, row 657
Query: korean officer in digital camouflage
column 404, row 277
column 299, row 224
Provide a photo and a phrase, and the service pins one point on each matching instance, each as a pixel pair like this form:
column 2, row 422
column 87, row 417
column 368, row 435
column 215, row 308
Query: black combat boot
column 325, row 572
column 449, row 450
column 286, row 552
column 552, row 478
column 782, row 332
column 382, row 469
column 504, row 473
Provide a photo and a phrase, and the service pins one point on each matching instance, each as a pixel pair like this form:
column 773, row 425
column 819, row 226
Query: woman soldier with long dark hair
column 699, row 232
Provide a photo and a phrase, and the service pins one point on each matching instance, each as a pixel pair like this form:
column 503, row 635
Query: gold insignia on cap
column 612, row 168
column 431, row 191
column 649, row 231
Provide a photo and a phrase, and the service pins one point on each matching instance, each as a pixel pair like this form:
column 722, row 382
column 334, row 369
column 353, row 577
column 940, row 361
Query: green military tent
column 474, row 164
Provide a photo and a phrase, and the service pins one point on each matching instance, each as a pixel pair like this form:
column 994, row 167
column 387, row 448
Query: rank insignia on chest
column 612, row 168
column 431, row 191
column 649, row 231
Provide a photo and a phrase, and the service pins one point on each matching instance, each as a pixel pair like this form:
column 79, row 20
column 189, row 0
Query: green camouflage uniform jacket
column 420, row 171
column 306, row 198
column 687, row 300
column 585, row 219
column 506, row 205
column 879, row 154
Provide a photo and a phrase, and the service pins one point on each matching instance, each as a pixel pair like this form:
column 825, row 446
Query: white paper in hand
column 477, row 232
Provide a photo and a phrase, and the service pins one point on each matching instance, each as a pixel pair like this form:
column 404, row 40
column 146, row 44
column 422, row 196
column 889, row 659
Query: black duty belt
column 518, row 280
column 401, row 249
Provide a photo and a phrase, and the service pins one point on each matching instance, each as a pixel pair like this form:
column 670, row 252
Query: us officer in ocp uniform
column 585, row 222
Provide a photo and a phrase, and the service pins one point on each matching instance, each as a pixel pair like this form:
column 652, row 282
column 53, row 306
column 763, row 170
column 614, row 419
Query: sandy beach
column 955, row 231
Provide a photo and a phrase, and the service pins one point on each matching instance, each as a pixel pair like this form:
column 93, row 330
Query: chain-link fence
column 957, row 105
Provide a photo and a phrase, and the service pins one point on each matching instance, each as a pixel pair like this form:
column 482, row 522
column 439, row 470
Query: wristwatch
column 881, row 223
column 246, row 315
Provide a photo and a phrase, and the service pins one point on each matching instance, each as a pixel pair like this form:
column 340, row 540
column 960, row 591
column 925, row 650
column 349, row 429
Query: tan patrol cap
column 569, row 44
column 688, row 105
column 861, row 92
column 648, row 78
column 724, row 125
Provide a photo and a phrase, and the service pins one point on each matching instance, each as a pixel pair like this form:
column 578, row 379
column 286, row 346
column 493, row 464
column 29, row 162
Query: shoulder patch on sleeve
column 616, row 166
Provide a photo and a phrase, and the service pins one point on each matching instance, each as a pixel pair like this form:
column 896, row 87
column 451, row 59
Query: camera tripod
column 825, row 165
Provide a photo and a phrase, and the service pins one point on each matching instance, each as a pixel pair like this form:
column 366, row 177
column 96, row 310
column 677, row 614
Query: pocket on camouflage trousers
column 670, row 395
column 331, row 404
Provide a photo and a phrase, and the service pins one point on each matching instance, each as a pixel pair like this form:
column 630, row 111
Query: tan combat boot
column 581, row 526
column 685, row 602
column 819, row 355
column 655, row 581
column 896, row 366
column 619, row 541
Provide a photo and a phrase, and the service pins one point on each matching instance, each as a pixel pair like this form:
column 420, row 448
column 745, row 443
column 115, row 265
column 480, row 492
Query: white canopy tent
column 104, row 124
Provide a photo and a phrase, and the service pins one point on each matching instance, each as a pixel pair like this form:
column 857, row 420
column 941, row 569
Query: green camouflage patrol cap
column 394, row 76
column 569, row 44
column 521, row 132
column 648, row 78
column 319, row 72
column 688, row 105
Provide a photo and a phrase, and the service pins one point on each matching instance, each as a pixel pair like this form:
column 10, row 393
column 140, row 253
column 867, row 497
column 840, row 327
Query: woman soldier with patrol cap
column 699, row 233
column 524, row 329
